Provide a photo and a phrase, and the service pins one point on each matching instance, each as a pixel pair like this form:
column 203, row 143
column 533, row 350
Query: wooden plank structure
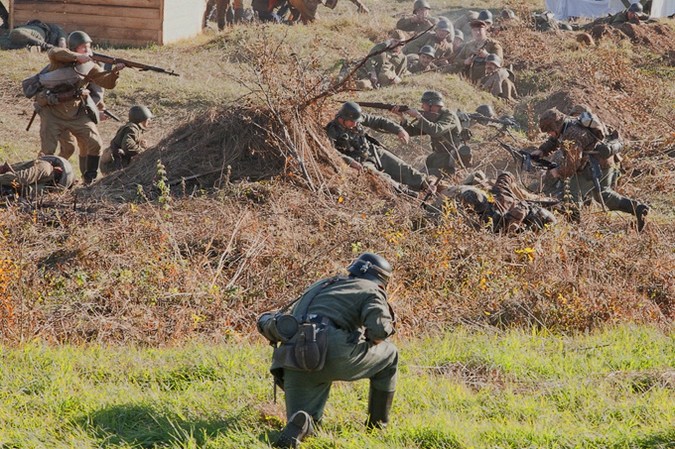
column 117, row 22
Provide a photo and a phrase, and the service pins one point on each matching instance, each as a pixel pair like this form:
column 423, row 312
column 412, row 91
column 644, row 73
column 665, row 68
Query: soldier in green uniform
column 498, row 80
column 444, row 128
column 420, row 20
column 387, row 66
column 354, row 312
column 360, row 151
column 128, row 142
column 438, row 40
column 471, row 59
column 463, row 23
column 65, row 101
column 424, row 62
column 585, row 159
column 37, row 33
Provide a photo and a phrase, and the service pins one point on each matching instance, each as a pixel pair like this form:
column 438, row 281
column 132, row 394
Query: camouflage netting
column 224, row 145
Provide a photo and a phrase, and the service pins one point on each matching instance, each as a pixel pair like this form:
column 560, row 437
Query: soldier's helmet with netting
column 139, row 114
column 551, row 120
column 578, row 109
column 636, row 8
column 433, row 98
column 372, row 267
column 77, row 38
column 428, row 50
column 351, row 111
column 421, row 4
column 486, row 110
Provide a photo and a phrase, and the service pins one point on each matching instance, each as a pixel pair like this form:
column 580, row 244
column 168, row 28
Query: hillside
column 266, row 207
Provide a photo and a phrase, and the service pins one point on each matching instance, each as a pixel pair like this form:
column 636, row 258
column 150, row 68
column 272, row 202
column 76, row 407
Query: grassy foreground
column 467, row 389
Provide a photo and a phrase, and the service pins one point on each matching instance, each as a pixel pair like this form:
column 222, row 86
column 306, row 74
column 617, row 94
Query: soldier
column 438, row 40
column 354, row 312
column 587, row 161
column 463, row 23
column 498, row 80
column 425, row 60
column 360, row 151
column 36, row 33
column 444, row 128
column 471, row 59
column 128, row 142
column 306, row 9
column 633, row 14
column 386, row 67
column 420, row 21
column 45, row 172
column 227, row 11
column 65, row 101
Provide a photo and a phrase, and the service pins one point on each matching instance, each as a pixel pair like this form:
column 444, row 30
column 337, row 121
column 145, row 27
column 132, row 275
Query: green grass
column 464, row 389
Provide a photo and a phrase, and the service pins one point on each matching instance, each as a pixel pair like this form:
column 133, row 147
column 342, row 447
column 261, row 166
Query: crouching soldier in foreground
column 128, row 142
column 361, row 151
column 356, row 319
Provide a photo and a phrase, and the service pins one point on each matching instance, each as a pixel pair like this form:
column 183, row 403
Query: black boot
column 298, row 427
column 92, row 169
column 634, row 208
column 83, row 166
column 379, row 406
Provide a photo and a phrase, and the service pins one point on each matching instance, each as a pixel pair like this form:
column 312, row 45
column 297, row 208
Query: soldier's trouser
column 28, row 173
column 81, row 127
column 309, row 391
column 68, row 144
column 307, row 9
column 581, row 186
column 401, row 171
column 440, row 160
column 27, row 35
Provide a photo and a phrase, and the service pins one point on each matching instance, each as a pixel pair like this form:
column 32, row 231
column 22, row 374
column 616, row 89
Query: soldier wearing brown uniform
column 498, row 80
column 65, row 106
column 471, row 59
column 128, row 142
column 386, row 67
column 420, row 21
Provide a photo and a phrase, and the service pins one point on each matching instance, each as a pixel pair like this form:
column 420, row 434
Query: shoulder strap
column 330, row 281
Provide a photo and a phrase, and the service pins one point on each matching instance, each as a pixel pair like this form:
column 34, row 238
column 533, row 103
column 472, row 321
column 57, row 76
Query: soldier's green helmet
column 77, row 38
column 444, row 25
column 351, row 111
column 421, row 4
column 494, row 58
column 636, row 8
column 486, row 110
column 459, row 34
column 139, row 114
column 485, row 16
column 372, row 267
column 428, row 50
column 433, row 98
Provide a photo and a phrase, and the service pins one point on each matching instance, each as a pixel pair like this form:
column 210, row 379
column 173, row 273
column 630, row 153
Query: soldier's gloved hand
column 603, row 150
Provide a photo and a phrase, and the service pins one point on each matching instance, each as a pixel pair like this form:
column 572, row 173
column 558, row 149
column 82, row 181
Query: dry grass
column 265, row 208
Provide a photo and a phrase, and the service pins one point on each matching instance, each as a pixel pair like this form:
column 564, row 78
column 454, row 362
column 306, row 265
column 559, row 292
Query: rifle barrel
column 386, row 106
column 127, row 62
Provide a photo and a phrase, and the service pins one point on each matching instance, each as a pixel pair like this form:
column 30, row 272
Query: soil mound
column 658, row 37
column 225, row 145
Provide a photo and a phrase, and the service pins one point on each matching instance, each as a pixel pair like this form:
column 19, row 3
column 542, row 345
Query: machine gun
column 525, row 158
column 483, row 120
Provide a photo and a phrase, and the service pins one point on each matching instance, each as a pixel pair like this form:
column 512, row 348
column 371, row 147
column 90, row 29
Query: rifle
column 385, row 106
column 111, row 115
column 525, row 158
column 137, row 65
column 30, row 122
column 482, row 119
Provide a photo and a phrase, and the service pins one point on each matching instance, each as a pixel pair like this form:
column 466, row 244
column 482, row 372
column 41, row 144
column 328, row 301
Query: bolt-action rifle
column 385, row 106
column 525, row 158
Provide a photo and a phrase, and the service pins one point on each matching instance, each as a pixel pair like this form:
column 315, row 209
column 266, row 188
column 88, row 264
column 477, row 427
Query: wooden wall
column 129, row 22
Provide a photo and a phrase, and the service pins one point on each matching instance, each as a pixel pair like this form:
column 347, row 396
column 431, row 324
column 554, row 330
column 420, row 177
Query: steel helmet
column 551, row 120
column 139, row 114
column 433, row 98
column 444, row 25
column 372, row 267
column 494, row 58
column 459, row 34
column 636, row 8
column 351, row 111
column 421, row 4
column 486, row 110
column 77, row 38
column 428, row 50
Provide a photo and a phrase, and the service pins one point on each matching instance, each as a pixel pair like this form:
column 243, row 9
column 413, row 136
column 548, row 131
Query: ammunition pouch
column 307, row 350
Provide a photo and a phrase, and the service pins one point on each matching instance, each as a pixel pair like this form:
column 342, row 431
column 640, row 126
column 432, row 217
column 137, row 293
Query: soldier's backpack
column 592, row 122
